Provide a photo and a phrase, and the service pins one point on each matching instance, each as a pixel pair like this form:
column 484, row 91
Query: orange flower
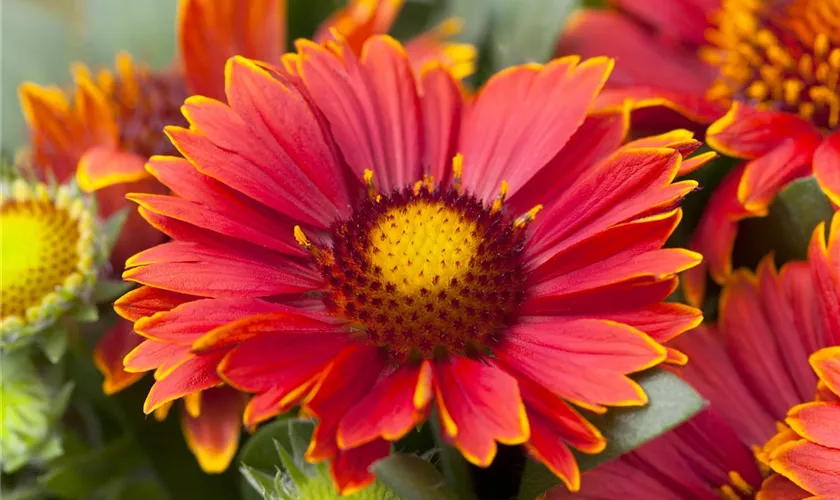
column 379, row 249
column 774, row 64
column 752, row 368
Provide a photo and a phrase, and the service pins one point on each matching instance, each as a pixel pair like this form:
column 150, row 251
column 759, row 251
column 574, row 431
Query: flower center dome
column 45, row 246
column 425, row 272
column 779, row 54
column 145, row 103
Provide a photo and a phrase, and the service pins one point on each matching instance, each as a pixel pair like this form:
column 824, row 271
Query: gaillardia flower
column 50, row 256
column 805, row 454
column 752, row 368
column 356, row 238
column 774, row 64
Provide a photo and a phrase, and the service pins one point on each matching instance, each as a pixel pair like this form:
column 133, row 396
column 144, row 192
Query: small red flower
column 752, row 369
column 363, row 241
column 775, row 65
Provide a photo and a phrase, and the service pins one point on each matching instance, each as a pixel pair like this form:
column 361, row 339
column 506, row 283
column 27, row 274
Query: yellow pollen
column 371, row 187
column 301, row 238
column 778, row 55
column 497, row 203
column 528, row 217
column 737, row 489
column 457, row 171
column 425, row 272
column 44, row 244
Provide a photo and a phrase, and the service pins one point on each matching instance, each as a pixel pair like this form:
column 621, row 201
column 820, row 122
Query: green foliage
column 671, row 402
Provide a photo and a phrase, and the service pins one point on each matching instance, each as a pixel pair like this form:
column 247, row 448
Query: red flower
column 356, row 238
column 777, row 64
column 752, row 368
column 805, row 456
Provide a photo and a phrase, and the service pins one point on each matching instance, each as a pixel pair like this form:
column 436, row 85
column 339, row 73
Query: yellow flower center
column 44, row 243
column 782, row 55
column 425, row 272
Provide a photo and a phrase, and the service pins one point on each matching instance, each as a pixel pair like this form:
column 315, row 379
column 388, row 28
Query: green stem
column 456, row 470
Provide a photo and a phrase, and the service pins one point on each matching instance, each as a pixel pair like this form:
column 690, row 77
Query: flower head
column 774, row 64
column 383, row 246
column 752, row 368
column 50, row 256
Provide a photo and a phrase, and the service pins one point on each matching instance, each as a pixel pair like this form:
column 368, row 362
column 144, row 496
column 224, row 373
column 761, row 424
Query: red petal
column 442, row 101
column 145, row 301
column 197, row 373
column 824, row 260
column 682, row 20
column 629, row 238
column 104, row 166
column 714, row 374
column 653, row 106
column 213, row 435
column 715, row 236
column 350, row 377
column 654, row 265
column 746, row 132
column 812, row 467
column 752, row 337
column 778, row 487
column 391, row 408
column 817, row 422
column 597, row 138
column 581, row 360
column 643, row 58
column 826, row 363
column 292, row 148
column 827, row 167
column 195, row 269
column 283, row 359
column 620, row 296
column 765, row 176
column 662, row 322
column 350, row 468
column 108, row 356
column 226, row 223
column 373, row 108
column 209, row 32
column 57, row 134
column 614, row 191
column 151, row 354
column 188, row 322
column 358, row 21
column 554, row 425
column 479, row 404
column 266, row 318
column 528, row 113
column 244, row 170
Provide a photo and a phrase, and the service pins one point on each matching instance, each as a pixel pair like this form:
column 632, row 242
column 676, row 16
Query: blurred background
column 40, row 38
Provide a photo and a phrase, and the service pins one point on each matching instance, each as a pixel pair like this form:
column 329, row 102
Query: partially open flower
column 773, row 64
column 50, row 256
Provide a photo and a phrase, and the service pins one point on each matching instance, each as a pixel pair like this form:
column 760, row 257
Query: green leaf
column 81, row 476
column 261, row 482
column 23, row 493
column 526, row 31
column 112, row 228
column 260, row 451
column 140, row 490
column 455, row 468
column 787, row 228
column 53, row 342
column 110, row 290
column 85, row 313
column 412, row 478
column 671, row 402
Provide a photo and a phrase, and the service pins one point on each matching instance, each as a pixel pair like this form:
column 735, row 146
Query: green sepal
column 671, row 402
column 85, row 313
column 412, row 478
column 53, row 342
column 111, row 230
column 109, row 290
